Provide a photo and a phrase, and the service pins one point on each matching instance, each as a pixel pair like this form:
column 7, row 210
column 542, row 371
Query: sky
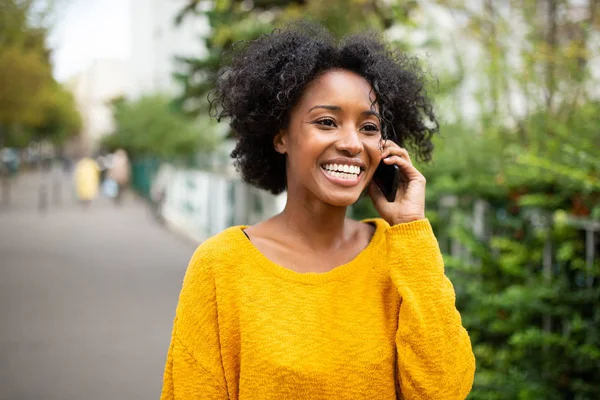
column 87, row 30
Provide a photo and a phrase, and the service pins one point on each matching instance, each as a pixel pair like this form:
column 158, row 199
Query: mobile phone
column 387, row 178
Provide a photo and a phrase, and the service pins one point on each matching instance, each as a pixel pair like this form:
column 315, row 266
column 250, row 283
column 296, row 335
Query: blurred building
column 93, row 89
column 156, row 41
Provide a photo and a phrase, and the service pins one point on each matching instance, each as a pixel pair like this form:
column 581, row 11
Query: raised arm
column 435, row 358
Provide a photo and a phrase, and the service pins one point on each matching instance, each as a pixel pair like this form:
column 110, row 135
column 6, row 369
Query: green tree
column 23, row 81
column 31, row 102
column 151, row 126
column 61, row 119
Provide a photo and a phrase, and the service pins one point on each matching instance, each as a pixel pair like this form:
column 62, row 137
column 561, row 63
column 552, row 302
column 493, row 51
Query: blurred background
column 112, row 173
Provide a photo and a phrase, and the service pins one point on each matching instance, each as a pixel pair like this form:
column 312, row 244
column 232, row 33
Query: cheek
column 309, row 145
column 373, row 150
column 305, row 148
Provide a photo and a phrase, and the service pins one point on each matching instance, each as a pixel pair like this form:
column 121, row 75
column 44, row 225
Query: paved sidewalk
column 87, row 298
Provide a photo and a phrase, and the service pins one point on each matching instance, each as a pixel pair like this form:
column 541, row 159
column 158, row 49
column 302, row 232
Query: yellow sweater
column 381, row 326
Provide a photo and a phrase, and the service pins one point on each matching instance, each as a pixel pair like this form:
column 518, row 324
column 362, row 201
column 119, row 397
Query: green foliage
column 61, row 119
column 535, row 334
column 32, row 104
column 533, row 320
column 151, row 126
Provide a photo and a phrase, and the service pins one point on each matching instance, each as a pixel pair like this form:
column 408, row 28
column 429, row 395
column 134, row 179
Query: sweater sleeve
column 434, row 355
column 194, row 368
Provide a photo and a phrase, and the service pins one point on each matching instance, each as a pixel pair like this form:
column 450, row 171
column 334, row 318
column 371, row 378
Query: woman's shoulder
column 223, row 248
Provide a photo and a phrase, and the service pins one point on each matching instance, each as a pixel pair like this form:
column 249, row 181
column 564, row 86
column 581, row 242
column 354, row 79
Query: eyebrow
column 337, row 108
column 332, row 108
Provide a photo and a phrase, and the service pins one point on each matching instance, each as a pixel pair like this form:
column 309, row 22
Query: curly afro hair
column 265, row 78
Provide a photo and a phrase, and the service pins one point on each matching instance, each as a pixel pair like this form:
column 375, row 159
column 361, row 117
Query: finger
column 409, row 169
column 389, row 146
column 398, row 151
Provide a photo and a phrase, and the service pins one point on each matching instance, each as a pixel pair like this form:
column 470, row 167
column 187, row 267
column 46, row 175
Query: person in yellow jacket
column 87, row 179
column 311, row 304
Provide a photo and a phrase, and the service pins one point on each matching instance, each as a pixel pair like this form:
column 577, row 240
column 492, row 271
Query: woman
column 120, row 172
column 310, row 304
column 87, row 180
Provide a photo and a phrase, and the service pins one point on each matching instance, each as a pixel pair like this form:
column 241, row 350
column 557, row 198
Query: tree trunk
column 551, row 41
column 492, row 45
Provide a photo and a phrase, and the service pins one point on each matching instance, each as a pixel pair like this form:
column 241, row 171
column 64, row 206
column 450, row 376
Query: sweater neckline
column 335, row 274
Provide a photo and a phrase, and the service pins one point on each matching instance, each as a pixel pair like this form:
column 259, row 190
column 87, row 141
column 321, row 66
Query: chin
column 342, row 199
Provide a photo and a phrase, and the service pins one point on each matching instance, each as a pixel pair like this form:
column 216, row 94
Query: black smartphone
column 387, row 178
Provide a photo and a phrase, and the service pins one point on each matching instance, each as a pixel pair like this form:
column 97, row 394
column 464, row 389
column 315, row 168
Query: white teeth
column 343, row 169
column 343, row 175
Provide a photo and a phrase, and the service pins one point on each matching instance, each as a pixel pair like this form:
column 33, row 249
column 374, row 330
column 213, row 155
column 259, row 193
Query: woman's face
column 333, row 139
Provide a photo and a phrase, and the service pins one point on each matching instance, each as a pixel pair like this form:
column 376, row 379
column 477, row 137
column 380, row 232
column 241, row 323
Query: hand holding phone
column 402, row 186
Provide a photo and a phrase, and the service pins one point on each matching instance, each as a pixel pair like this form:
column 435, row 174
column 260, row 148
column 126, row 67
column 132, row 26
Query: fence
column 480, row 219
column 201, row 203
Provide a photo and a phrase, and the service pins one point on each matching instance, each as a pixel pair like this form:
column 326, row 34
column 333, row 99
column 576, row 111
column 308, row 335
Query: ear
column 280, row 142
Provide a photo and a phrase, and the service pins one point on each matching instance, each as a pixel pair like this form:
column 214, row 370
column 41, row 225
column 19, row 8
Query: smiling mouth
column 350, row 173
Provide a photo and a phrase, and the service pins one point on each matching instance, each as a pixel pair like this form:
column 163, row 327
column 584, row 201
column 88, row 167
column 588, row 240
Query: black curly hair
column 266, row 77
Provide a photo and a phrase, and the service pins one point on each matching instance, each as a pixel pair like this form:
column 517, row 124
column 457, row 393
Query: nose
column 349, row 144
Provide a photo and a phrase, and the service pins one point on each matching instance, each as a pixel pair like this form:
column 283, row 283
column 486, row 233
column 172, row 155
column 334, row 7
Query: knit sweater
column 383, row 326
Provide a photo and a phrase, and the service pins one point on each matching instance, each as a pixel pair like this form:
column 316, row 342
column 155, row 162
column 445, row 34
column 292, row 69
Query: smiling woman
column 310, row 304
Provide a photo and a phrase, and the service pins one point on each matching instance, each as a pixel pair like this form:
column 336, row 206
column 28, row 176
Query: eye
column 371, row 128
column 328, row 122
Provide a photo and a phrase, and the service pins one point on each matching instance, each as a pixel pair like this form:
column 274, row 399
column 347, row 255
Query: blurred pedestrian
column 119, row 171
column 87, row 180
column 9, row 167
column 103, row 164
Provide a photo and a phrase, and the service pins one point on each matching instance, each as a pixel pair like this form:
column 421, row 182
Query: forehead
column 339, row 88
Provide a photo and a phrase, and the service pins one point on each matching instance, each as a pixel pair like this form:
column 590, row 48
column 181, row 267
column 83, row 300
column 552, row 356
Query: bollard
column 57, row 192
column 43, row 199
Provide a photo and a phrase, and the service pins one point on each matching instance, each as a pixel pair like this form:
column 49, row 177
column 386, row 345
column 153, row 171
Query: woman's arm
column 435, row 359
column 194, row 368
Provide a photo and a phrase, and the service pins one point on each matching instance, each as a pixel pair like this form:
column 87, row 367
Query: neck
column 315, row 223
